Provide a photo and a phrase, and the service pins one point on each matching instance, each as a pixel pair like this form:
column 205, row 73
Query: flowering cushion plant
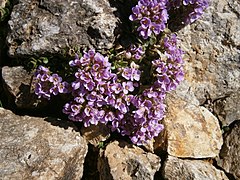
column 127, row 95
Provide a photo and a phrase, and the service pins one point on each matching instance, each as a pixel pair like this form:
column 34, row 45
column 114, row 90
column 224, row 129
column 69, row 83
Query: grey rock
column 212, row 56
column 178, row 169
column 50, row 27
column 122, row 161
column 37, row 148
column 18, row 86
column 229, row 158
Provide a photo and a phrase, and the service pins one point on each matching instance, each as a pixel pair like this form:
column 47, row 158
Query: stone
column 50, row 27
column 96, row 134
column 192, row 131
column 124, row 161
column 178, row 169
column 212, row 65
column 38, row 148
column 227, row 108
column 229, row 158
column 18, row 85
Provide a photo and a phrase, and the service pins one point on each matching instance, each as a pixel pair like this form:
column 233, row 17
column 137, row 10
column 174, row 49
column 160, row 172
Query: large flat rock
column 38, row 148
column 124, row 161
column 192, row 131
column 43, row 27
column 179, row 169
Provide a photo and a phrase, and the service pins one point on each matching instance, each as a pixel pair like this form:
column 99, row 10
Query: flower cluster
column 193, row 9
column 98, row 94
column 169, row 67
column 144, row 121
column 152, row 16
column 102, row 96
column 134, row 52
column 47, row 84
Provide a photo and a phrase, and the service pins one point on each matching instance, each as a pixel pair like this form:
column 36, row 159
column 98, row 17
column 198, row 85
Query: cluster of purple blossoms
column 101, row 96
column 98, row 95
column 145, row 120
column 169, row 69
column 143, row 123
column 134, row 52
column 47, row 84
column 193, row 8
column 152, row 16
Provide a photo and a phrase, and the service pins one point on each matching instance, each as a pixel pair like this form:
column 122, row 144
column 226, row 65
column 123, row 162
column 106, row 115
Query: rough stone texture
column 192, row 131
column 122, row 161
column 212, row 46
column 40, row 27
column 34, row 148
column 178, row 169
column 229, row 158
column 96, row 134
column 17, row 83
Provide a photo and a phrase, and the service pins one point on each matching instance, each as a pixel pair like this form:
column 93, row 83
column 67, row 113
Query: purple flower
column 116, row 88
column 151, row 15
column 127, row 86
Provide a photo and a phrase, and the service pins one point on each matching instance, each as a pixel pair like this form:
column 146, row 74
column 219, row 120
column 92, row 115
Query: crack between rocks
column 234, row 10
column 229, row 175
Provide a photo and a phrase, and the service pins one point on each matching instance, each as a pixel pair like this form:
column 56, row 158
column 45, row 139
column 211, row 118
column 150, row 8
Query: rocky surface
column 37, row 148
column 213, row 60
column 205, row 102
column 178, row 169
column 229, row 158
column 17, row 84
column 192, row 131
column 49, row 27
column 124, row 161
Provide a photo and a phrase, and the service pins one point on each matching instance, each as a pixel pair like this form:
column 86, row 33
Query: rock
column 49, row 27
column 212, row 46
column 227, row 108
column 123, row 161
column 192, row 131
column 178, row 169
column 17, row 84
column 37, row 148
column 229, row 158
column 96, row 134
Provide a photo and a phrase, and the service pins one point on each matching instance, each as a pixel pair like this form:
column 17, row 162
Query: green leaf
column 44, row 60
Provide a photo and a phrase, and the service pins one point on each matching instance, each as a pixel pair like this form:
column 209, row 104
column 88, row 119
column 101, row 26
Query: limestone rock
column 123, row 161
column 17, row 83
column 96, row 134
column 37, row 148
column 212, row 46
column 178, row 169
column 229, row 158
column 192, row 131
column 48, row 27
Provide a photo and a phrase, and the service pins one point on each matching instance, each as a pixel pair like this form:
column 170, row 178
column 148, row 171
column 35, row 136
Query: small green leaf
column 44, row 60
